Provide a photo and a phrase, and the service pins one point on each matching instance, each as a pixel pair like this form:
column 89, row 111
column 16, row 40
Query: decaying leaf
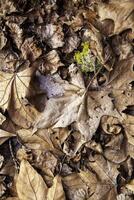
column 32, row 186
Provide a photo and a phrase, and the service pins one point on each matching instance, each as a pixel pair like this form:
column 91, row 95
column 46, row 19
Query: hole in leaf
column 132, row 84
column 129, row 110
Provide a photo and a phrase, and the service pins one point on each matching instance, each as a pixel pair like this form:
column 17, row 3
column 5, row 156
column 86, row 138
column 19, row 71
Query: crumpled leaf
column 16, row 33
column 70, row 148
column 115, row 150
column 6, row 7
column 50, row 63
column 10, row 63
column 32, row 186
column 56, row 192
column 30, row 50
column 52, row 34
column 71, row 43
column 110, row 125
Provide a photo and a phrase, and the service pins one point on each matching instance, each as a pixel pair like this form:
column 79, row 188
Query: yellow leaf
column 56, row 192
column 30, row 185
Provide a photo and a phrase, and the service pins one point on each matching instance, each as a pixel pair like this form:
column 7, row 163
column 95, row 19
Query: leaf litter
column 66, row 100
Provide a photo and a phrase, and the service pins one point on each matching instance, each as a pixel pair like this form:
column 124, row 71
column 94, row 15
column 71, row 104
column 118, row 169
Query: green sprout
column 85, row 59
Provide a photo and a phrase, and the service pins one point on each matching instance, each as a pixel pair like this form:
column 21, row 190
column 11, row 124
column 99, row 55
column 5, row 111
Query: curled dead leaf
column 52, row 34
column 30, row 50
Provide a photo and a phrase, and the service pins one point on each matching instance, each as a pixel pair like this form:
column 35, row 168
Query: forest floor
column 66, row 99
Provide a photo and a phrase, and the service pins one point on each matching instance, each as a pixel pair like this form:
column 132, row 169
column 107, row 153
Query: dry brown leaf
column 120, row 84
column 2, row 189
column 120, row 12
column 15, row 87
column 9, row 62
column 70, row 148
column 90, row 179
column 40, row 140
column 71, row 43
column 51, row 63
column 46, row 162
column 110, row 125
column 116, row 150
column 58, row 136
column 16, row 33
column 21, row 81
column 6, row 7
column 30, row 185
column 3, row 40
column 1, row 161
column 4, row 135
column 85, row 110
column 30, row 50
column 75, row 188
column 52, row 34
column 56, row 192
column 2, row 118
column 107, row 174
column 104, row 169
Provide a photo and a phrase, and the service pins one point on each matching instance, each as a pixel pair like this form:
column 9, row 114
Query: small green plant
column 84, row 58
